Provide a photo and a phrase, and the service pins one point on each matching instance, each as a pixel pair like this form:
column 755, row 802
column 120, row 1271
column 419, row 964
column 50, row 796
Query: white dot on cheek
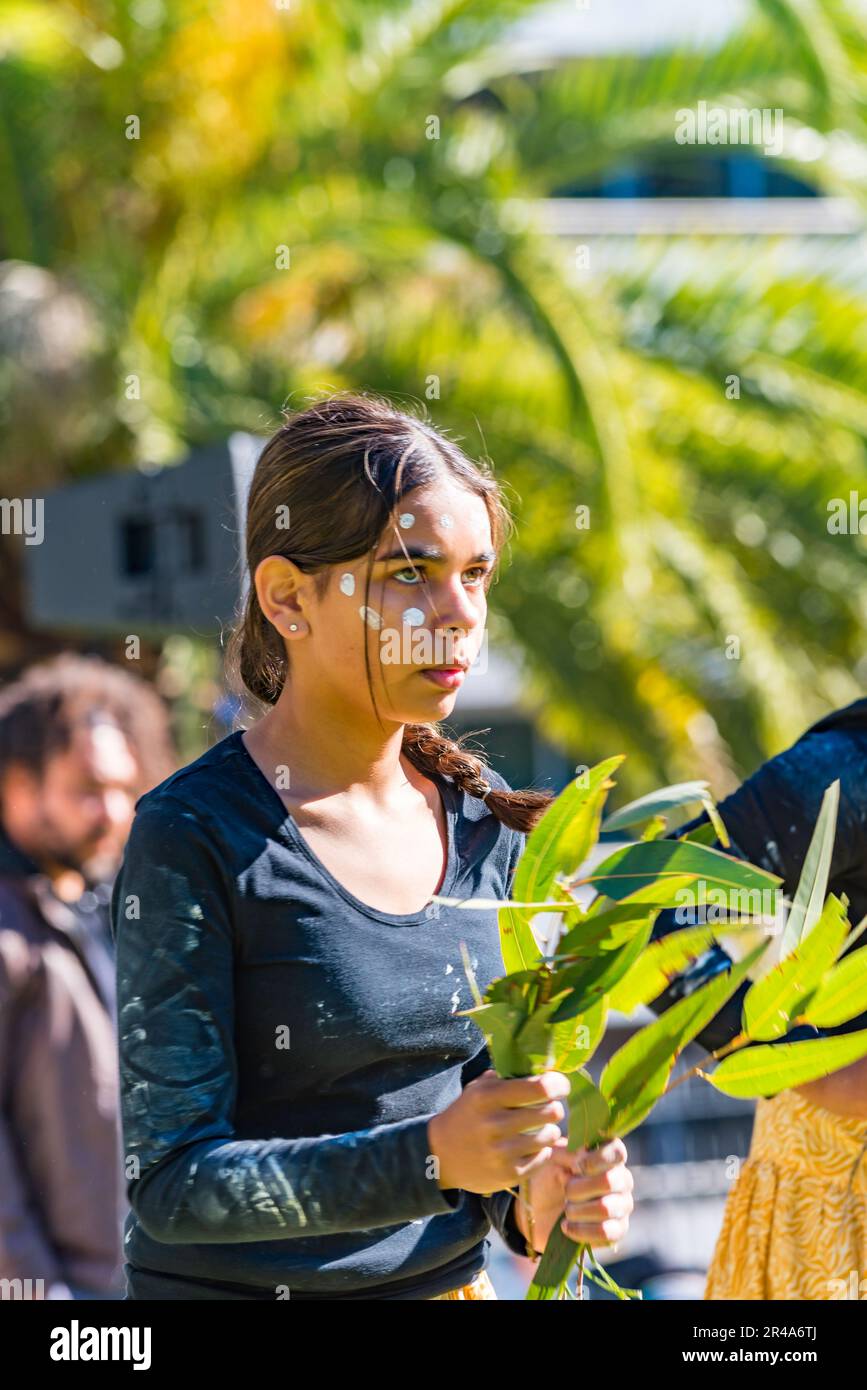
column 347, row 583
column 406, row 519
column 413, row 617
column 370, row 616
column 446, row 520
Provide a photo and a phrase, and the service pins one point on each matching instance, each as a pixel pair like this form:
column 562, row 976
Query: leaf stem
column 716, row 1056
column 524, row 1199
column 580, row 1284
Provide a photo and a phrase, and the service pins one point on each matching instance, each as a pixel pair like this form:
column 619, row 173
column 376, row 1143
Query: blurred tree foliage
column 210, row 210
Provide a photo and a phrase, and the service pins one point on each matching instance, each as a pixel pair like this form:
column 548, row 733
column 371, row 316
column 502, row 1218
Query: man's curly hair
column 40, row 710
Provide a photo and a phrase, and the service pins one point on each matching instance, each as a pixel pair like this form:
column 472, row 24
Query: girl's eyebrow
column 431, row 552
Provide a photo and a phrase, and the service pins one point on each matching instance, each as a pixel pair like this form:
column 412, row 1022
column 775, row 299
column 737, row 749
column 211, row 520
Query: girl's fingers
column 563, row 1159
column 615, row 1206
column 608, row 1155
column 608, row 1233
column 598, row 1193
column 618, row 1179
column 524, row 1119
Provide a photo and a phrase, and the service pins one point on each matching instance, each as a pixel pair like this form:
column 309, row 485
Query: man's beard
column 99, row 868
column 94, row 865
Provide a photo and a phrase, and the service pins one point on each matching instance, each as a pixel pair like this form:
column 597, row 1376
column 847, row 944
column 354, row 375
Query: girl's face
column 424, row 620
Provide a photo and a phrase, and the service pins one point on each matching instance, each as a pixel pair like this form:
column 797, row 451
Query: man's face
column 78, row 814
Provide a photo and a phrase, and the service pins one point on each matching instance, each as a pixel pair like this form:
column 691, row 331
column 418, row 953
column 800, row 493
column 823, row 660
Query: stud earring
column 293, row 627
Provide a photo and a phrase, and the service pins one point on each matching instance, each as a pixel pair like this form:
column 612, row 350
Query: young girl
column 305, row 1113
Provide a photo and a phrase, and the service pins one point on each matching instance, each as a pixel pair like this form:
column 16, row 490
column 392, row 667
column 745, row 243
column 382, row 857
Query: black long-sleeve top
column 283, row 1047
column 770, row 820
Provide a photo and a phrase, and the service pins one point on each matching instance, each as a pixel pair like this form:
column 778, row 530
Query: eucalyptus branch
column 717, row 1056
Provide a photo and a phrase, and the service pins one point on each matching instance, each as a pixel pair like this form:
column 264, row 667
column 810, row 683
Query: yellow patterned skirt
column 791, row 1230
column 481, row 1287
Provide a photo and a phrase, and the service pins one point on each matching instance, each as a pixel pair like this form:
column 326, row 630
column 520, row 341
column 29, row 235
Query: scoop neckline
column 290, row 830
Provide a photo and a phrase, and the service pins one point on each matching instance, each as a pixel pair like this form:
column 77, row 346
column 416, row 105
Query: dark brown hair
column 40, row 710
column 342, row 466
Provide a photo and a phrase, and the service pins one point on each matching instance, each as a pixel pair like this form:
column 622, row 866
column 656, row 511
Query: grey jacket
column 61, row 1190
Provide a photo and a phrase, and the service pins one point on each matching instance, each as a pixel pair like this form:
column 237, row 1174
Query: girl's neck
column 324, row 757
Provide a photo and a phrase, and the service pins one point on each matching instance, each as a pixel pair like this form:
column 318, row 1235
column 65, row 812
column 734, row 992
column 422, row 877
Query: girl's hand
column 589, row 1192
column 495, row 1133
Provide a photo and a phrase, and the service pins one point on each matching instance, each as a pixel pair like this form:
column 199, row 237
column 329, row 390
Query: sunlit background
column 208, row 212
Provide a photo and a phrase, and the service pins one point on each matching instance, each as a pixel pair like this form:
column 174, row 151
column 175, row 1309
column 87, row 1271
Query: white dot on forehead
column 413, row 617
column 446, row 520
column 406, row 519
column 347, row 583
column 370, row 616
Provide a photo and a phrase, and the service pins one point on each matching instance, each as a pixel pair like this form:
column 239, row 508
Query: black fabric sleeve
column 196, row 1181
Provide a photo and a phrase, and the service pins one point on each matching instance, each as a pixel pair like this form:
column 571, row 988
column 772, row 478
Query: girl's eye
column 481, row 573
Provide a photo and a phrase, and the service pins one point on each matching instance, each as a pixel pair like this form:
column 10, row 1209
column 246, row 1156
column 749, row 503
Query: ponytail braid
column 431, row 752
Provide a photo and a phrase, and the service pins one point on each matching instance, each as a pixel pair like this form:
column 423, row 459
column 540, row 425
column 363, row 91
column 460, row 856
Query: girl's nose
column 456, row 608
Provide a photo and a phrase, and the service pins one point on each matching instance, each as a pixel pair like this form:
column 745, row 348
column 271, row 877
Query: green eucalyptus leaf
column 588, row 980
column 577, row 1039
column 588, row 1112
column 841, row 994
column 559, row 899
column 813, row 882
column 510, row 989
column 765, row 1071
column 716, row 821
column 518, row 946
column 534, row 1040
column 779, row 996
column 561, row 839
column 657, row 893
column 559, row 1256
column 637, row 866
column 636, row 1075
column 655, row 803
column 654, row 829
column 704, row 834
column 854, row 934
column 658, row 965
column 605, row 932
column 499, row 1023
column 607, row 924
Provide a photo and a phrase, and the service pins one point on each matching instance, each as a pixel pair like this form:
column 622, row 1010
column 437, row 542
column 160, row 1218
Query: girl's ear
column 279, row 585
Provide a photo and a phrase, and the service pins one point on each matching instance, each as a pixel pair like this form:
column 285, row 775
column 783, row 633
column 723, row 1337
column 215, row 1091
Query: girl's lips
column 448, row 679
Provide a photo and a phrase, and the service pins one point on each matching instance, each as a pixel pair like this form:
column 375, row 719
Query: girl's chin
column 426, row 701
column 443, row 701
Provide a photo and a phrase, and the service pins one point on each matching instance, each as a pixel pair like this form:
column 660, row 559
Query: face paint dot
column 413, row 617
column 347, row 583
column 446, row 520
column 406, row 519
column 370, row 616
